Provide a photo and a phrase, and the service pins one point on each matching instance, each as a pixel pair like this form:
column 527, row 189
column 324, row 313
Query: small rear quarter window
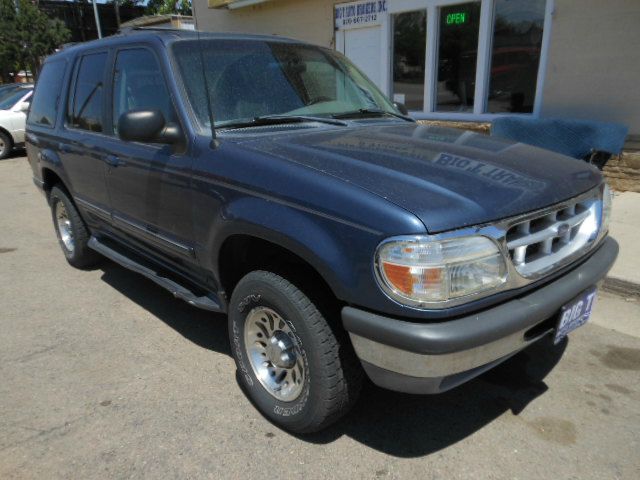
column 44, row 105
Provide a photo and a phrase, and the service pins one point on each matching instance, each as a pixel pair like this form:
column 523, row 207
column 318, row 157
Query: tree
column 9, row 50
column 181, row 7
column 28, row 35
column 123, row 3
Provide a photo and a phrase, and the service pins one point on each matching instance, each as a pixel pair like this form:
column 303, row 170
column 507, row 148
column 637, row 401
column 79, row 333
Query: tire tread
column 82, row 257
column 342, row 374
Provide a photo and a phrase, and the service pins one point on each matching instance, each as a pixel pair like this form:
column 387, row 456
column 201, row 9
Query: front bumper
column 435, row 357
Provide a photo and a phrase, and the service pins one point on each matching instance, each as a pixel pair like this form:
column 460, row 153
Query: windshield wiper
column 371, row 112
column 276, row 119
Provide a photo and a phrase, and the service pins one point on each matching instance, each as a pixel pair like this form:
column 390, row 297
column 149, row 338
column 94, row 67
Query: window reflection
column 458, row 51
column 409, row 46
column 515, row 56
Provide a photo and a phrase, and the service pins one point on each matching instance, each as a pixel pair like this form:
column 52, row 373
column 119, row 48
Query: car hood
column 448, row 178
column 6, row 114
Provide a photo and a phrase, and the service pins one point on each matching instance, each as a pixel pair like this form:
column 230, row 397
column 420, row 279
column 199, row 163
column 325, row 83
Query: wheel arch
column 241, row 253
column 339, row 253
column 7, row 132
column 50, row 179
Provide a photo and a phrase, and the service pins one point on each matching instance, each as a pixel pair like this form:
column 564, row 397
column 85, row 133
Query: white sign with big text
column 359, row 14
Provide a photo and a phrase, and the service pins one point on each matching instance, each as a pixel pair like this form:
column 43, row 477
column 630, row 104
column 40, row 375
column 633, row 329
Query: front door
column 149, row 183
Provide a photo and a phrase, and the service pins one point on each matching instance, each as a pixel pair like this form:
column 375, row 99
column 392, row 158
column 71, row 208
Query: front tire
column 73, row 235
column 297, row 370
column 6, row 145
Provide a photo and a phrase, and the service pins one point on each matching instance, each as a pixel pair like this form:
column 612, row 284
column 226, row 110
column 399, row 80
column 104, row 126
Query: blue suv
column 269, row 179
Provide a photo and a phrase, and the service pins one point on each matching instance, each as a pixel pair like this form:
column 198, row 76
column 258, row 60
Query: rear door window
column 85, row 109
column 44, row 104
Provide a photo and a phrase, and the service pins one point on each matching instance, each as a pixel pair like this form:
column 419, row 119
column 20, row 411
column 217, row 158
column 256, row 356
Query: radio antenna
column 206, row 89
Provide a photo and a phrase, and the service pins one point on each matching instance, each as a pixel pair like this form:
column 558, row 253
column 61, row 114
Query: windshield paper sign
column 360, row 14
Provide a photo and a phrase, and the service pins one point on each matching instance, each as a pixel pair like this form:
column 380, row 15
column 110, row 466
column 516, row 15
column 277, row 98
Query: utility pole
column 95, row 13
column 116, row 5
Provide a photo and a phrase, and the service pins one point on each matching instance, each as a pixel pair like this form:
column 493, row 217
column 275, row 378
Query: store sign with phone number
column 360, row 14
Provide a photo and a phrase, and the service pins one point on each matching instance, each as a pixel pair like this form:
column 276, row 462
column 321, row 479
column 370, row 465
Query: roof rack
column 130, row 30
column 152, row 27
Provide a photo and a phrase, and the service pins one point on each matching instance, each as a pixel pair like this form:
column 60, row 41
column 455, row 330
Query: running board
column 206, row 302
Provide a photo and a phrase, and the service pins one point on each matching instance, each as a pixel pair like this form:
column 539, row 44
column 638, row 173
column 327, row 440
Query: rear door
column 149, row 183
column 82, row 150
column 43, row 122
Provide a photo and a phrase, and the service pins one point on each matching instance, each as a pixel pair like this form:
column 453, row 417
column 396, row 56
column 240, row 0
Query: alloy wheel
column 65, row 229
column 275, row 354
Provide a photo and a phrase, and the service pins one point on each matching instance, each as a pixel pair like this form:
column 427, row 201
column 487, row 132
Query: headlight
column 417, row 271
column 607, row 196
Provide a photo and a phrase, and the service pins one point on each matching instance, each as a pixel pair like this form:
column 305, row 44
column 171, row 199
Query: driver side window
column 138, row 84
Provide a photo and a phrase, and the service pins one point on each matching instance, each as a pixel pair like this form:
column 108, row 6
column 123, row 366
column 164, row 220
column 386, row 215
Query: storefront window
column 457, row 55
column 438, row 48
column 515, row 56
column 409, row 46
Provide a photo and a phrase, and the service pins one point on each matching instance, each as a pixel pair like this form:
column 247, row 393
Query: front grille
column 540, row 244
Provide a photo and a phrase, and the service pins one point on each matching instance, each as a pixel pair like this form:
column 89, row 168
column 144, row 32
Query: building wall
column 593, row 69
column 309, row 20
column 593, row 64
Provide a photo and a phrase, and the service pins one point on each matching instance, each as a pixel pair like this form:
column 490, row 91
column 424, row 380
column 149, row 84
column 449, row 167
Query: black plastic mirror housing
column 141, row 125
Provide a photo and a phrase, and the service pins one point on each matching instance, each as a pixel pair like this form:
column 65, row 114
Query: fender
column 47, row 158
column 329, row 245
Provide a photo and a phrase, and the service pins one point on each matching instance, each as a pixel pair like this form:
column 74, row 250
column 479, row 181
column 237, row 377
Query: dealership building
column 470, row 61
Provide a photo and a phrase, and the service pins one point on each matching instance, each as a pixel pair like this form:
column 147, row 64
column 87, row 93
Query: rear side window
column 85, row 110
column 44, row 105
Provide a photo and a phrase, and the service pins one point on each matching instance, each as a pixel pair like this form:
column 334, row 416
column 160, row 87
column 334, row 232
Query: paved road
column 103, row 374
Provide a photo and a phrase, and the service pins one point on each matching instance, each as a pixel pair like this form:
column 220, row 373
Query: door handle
column 113, row 161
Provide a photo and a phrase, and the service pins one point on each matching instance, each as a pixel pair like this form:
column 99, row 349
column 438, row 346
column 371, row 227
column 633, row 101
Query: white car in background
column 14, row 104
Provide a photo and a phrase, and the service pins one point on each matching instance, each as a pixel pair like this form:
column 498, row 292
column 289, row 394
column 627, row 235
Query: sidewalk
column 624, row 277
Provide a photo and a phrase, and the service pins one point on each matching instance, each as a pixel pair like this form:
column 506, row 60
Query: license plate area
column 575, row 314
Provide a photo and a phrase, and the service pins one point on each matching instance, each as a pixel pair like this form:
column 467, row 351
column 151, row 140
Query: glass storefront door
column 458, row 29
column 408, row 62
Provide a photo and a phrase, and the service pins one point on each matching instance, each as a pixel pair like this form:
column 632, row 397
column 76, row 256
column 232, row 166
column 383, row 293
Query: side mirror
column 148, row 126
column 402, row 108
column 24, row 106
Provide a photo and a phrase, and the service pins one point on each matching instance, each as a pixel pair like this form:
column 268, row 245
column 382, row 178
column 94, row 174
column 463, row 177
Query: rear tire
column 6, row 145
column 73, row 235
column 297, row 369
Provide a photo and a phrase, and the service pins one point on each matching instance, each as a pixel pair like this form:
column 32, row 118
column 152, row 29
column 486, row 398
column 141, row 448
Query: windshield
column 9, row 99
column 249, row 79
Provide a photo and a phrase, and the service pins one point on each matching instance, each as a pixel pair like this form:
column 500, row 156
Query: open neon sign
column 457, row 18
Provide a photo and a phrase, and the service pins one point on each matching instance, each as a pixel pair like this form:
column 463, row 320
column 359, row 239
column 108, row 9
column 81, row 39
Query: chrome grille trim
column 537, row 245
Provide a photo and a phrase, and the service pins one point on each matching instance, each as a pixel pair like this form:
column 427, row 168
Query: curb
column 621, row 287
